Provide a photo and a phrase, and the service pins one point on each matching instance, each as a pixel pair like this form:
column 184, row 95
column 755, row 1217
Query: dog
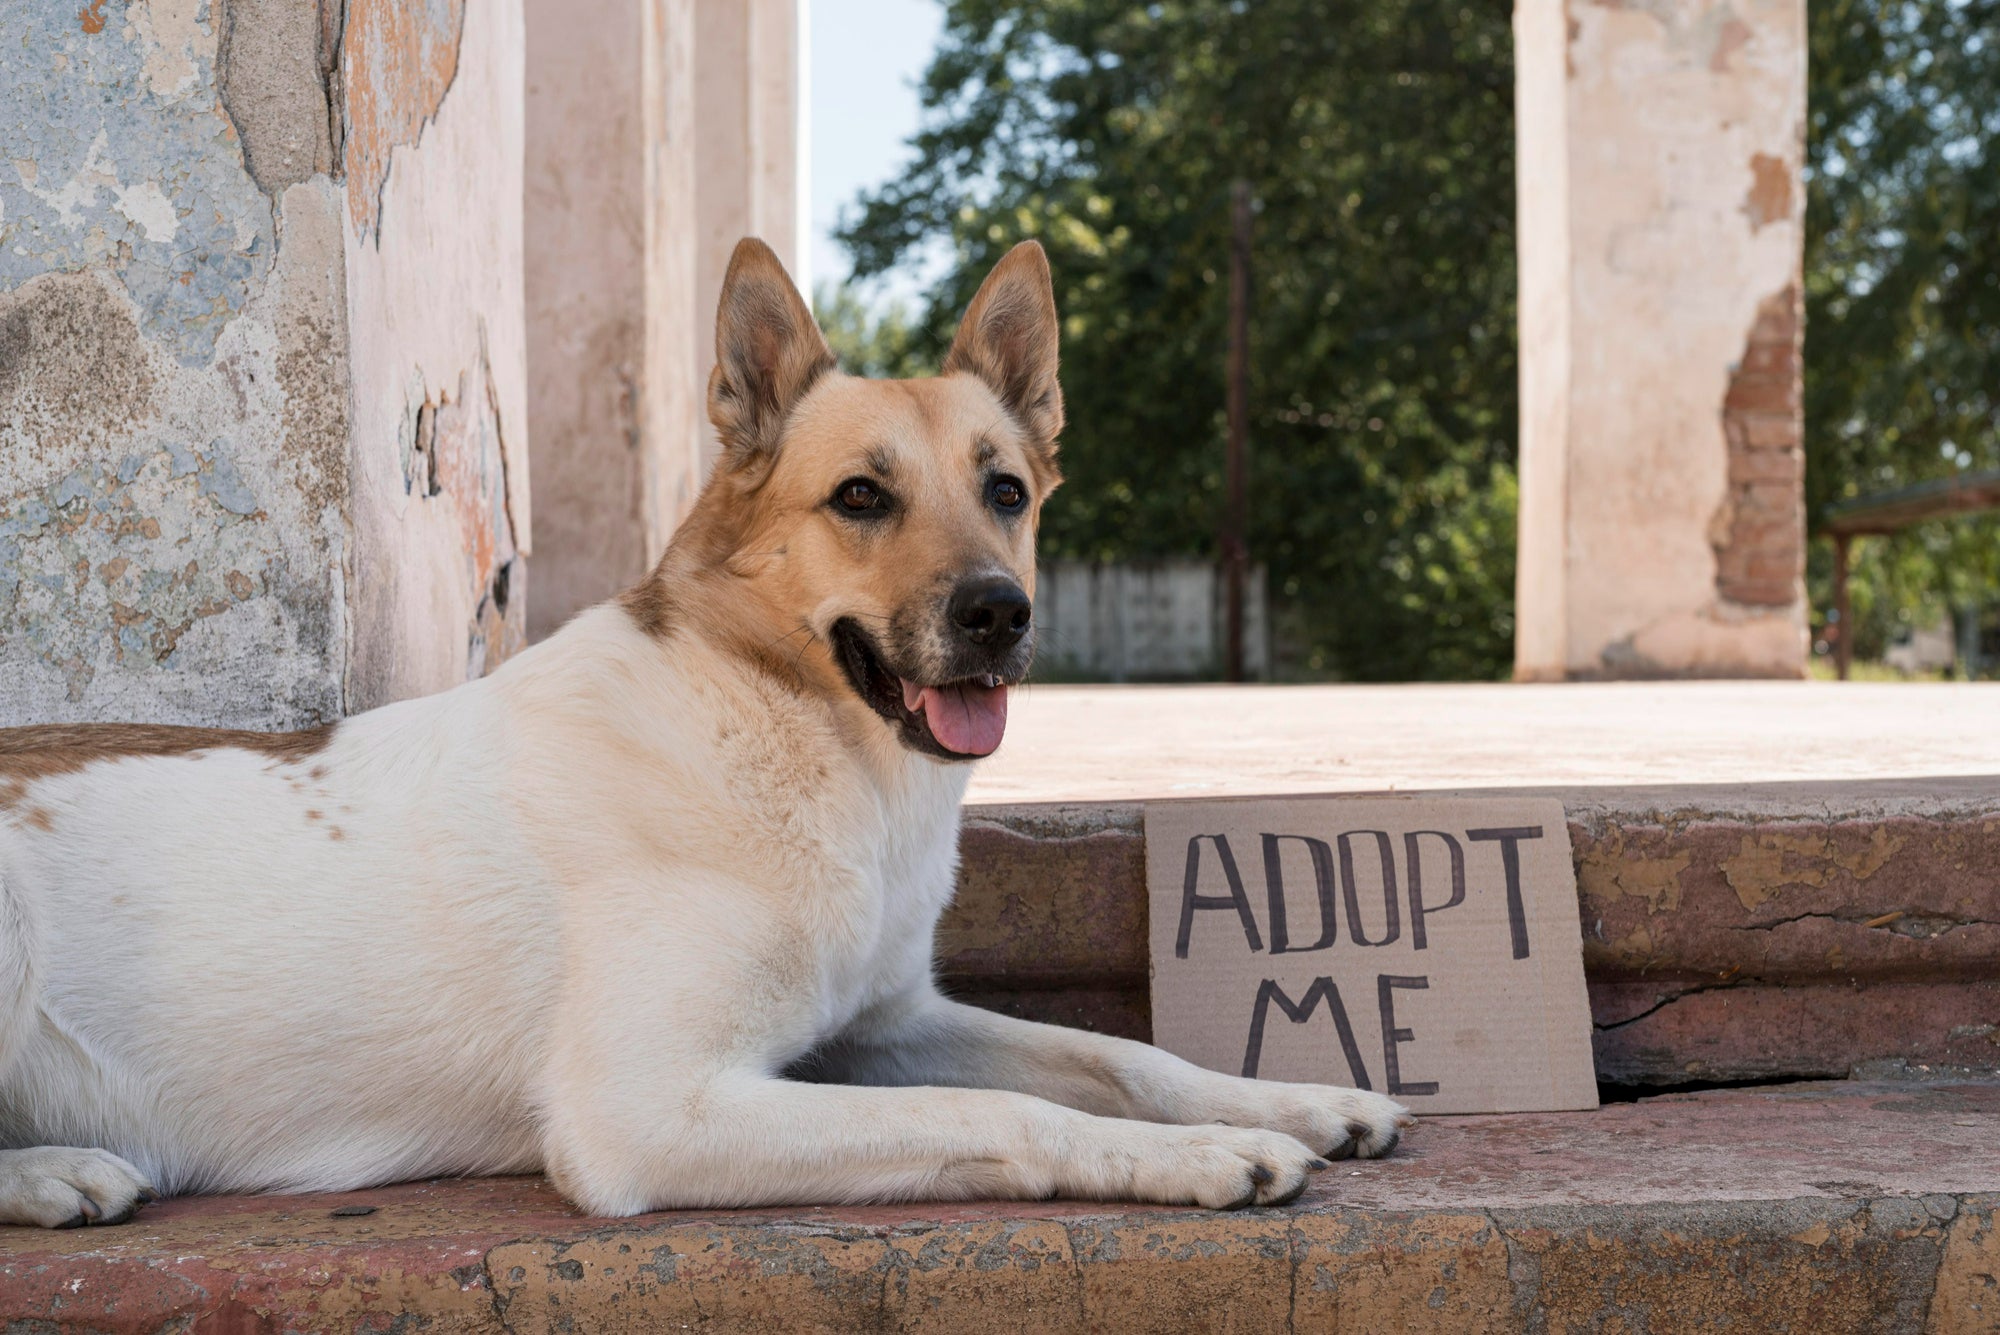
column 649, row 908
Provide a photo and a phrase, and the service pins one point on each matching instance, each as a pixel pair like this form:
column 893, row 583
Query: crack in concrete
column 1914, row 926
column 1690, row 990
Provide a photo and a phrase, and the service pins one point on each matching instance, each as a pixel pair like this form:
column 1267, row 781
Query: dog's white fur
column 582, row 915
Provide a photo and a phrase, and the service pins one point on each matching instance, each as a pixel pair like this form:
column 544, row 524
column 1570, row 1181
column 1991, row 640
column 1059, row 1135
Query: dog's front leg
column 661, row 1091
column 921, row 1038
column 741, row 1139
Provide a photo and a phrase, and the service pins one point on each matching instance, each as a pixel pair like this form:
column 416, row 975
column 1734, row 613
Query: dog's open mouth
column 956, row 720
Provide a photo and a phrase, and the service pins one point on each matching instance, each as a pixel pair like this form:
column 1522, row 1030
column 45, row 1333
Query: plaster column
column 263, row 452
column 587, row 76
column 659, row 135
column 747, row 68
column 1661, row 213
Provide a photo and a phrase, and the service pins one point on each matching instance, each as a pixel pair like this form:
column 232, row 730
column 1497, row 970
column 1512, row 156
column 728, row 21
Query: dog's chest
column 884, row 944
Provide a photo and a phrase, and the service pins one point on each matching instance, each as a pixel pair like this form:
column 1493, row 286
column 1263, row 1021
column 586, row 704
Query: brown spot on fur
column 40, row 818
column 335, row 832
column 36, row 752
column 781, row 668
column 315, row 815
column 650, row 605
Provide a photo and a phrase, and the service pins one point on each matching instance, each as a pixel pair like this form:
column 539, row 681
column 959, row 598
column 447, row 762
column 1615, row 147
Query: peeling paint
column 196, row 462
column 1759, row 530
column 171, row 527
column 1607, row 872
column 400, row 60
column 440, row 510
column 170, row 32
column 107, row 170
column 1770, row 197
column 457, row 463
column 1768, row 864
column 213, row 599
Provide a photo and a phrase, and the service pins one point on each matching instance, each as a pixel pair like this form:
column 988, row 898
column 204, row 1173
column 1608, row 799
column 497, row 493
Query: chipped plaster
column 269, row 66
column 195, row 464
column 447, row 307
column 1678, row 125
column 103, row 169
column 401, row 58
column 170, row 539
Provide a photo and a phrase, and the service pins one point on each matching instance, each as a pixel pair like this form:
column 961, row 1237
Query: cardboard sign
column 1427, row 949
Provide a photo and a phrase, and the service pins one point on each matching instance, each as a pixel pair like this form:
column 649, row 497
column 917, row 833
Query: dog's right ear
column 768, row 353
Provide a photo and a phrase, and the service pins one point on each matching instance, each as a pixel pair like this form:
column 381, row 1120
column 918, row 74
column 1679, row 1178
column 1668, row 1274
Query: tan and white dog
column 651, row 906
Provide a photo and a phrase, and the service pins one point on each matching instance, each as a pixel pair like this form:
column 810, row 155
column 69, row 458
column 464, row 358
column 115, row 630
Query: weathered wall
column 434, row 255
column 173, row 402
column 196, row 199
column 659, row 136
column 1661, row 229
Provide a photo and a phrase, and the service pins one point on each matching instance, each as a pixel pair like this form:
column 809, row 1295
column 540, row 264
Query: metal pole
column 1235, row 550
column 1843, row 645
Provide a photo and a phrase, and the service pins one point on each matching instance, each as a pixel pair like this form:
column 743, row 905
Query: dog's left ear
column 768, row 353
column 1008, row 339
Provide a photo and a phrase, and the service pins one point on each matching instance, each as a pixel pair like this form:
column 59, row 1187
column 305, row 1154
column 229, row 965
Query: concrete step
column 1775, row 879
column 1838, row 1206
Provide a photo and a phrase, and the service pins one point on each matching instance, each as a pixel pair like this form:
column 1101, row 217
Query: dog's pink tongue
column 965, row 717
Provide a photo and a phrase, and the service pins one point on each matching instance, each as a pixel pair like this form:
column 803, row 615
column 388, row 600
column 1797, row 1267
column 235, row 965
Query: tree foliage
column 883, row 343
column 1903, row 288
column 1378, row 140
column 1378, row 136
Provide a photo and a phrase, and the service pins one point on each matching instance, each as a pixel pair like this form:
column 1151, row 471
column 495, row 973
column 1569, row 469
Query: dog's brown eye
column 1007, row 493
column 858, row 494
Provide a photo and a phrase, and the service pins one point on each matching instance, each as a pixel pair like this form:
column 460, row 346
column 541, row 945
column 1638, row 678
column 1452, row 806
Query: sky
column 867, row 58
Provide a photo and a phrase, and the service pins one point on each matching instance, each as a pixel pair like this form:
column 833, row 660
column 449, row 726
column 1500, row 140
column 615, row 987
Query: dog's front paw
column 53, row 1186
column 1338, row 1123
column 1221, row 1167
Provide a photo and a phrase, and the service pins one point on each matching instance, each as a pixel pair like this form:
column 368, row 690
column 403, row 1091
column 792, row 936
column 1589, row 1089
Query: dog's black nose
column 992, row 611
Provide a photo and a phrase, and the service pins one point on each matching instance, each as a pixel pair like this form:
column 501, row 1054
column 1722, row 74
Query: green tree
column 1903, row 289
column 1378, row 138
column 869, row 341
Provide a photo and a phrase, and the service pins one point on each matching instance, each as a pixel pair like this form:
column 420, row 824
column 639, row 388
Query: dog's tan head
column 875, row 539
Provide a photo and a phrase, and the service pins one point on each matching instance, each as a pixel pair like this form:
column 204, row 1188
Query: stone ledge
column 1714, row 918
column 1806, row 1207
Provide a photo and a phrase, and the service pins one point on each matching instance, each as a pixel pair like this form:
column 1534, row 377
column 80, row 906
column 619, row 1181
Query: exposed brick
column 1781, row 466
column 1768, row 358
column 1762, row 426
column 1767, row 431
column 1763, row 393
